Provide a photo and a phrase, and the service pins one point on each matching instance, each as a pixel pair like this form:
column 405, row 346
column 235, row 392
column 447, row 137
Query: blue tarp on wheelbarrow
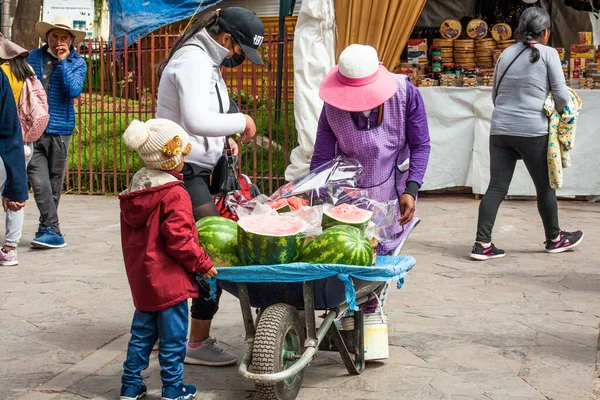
column 386, row 268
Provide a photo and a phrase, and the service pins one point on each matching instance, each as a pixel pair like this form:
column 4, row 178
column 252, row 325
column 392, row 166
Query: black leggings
column 196, row 180
column 504, row 153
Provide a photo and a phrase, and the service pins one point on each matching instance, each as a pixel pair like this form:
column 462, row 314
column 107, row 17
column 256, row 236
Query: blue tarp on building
column 140, row 17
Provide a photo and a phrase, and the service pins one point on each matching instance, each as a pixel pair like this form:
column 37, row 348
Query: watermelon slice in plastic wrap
column 288, row 204
column 346, row 214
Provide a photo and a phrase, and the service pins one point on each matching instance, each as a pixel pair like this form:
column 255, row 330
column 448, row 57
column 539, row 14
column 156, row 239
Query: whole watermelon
column 340, row 244
column 218, row 237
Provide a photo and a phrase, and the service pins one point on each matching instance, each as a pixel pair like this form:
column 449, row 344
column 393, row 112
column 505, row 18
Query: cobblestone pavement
column 522, row 327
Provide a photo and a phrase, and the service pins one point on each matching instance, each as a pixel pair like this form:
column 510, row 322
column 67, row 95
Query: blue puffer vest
column 66, row 84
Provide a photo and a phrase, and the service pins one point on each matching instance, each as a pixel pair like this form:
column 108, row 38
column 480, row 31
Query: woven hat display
column 451, row 29
column 505, row 44
column 446, row 48
column 501, row 32
column 464, row 52
column 477, row 29
column 464, row 44
column 484, row 52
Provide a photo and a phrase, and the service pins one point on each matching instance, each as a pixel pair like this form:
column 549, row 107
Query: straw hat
column 10, row 50
column 59, row 22
column 359, row 82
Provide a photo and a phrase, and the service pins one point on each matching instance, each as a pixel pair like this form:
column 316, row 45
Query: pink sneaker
column 8, row 259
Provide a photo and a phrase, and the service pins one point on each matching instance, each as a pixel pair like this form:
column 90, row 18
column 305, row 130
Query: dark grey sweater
column 520, row 98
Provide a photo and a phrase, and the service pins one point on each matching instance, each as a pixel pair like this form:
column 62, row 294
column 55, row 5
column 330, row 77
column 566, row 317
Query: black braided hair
column 532, row 25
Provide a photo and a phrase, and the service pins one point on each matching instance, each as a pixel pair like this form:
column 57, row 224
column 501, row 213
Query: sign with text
column 81, row 13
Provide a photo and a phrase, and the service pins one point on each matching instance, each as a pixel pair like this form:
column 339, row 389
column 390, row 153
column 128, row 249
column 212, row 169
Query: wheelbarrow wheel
column 278, row 343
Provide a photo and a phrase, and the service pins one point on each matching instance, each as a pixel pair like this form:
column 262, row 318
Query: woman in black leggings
column 525, row 74
column 192, row 93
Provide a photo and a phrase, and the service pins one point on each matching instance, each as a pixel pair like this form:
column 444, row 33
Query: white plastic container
column 375, row 334
column 376, row 337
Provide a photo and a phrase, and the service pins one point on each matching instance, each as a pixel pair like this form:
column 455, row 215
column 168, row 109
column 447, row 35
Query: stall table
column 459, row 123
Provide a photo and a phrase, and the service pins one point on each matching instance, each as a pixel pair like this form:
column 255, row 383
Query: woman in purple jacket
column 377, row 118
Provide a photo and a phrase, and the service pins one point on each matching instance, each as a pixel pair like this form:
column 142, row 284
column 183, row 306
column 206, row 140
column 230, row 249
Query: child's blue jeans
column 171, row 327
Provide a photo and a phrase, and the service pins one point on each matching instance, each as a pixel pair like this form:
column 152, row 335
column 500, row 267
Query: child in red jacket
column 161, row 254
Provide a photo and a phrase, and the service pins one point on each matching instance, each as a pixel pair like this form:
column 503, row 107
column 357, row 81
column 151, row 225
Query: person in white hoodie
column 193, row 94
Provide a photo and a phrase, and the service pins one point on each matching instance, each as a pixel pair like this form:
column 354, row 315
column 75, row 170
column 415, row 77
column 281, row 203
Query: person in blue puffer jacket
column 62, row 72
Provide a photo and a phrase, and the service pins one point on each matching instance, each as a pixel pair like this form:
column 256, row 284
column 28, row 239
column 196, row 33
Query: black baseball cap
column 245, row 28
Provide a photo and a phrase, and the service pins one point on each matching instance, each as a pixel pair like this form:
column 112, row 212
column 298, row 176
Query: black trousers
column 196, row 181
column 504, row 152
column 46, row 173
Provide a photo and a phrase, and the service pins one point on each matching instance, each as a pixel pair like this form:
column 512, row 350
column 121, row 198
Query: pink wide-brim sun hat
column 359, row 82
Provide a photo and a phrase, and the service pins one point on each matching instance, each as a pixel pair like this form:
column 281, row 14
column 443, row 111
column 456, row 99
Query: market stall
column 453, row 65
column 459, row 121
column 451, row 56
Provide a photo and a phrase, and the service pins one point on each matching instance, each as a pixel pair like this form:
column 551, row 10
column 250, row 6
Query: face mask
column 233, row 61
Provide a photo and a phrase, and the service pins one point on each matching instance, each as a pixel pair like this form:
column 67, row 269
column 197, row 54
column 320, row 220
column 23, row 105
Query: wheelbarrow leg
column 359, row 340
column 309, row 311
column 352, row 367
column 246, row 311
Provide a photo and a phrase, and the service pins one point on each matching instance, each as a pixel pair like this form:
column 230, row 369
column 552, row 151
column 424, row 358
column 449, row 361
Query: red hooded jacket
column 160, row 241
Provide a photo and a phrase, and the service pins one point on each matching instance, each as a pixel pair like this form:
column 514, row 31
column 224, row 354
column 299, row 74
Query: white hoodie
column 187, row 96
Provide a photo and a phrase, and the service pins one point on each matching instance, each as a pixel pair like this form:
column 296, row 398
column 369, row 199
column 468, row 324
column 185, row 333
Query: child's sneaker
column 8, row 258
column 566, row 241
column 482, row 253
column 133, row 392
column 181, row 392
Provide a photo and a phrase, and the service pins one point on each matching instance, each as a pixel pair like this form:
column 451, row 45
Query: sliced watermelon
column 342, row 244
column 346, row 214
column 218, row 237
column 296, row 203
column 288, row 204
column 269, row 239
column 281, row 205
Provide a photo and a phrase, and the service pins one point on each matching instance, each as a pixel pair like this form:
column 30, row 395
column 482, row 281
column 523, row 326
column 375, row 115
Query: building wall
column 262, row 8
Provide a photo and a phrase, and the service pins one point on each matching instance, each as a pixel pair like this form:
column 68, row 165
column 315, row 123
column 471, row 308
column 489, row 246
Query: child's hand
column 211, row 272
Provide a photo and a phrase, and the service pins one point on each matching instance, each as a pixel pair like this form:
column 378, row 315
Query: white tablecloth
column 459, row 124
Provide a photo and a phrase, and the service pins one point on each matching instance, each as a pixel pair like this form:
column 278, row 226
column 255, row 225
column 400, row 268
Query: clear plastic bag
column 329, row 178
column 328, row 186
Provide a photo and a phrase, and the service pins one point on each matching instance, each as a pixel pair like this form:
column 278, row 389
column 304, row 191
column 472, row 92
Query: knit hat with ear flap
column 161, row 143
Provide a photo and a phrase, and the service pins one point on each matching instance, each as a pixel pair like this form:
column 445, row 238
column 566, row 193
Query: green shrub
column 99, row 134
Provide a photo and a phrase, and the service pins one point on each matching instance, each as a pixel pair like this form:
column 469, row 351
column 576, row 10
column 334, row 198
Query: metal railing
column 122, row 85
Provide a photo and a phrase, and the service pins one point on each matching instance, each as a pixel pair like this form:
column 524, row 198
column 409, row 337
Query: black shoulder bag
column 507, row 68
column 224, row 176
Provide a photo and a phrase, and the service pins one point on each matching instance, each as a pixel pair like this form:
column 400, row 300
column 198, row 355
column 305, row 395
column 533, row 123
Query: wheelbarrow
column 280, row 344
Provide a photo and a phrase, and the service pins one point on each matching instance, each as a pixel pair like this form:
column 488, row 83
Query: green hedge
column 95, row 141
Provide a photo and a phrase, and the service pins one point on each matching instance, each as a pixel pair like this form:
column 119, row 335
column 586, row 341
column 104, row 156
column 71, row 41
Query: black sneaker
column 567, row 241
column 481, row 253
